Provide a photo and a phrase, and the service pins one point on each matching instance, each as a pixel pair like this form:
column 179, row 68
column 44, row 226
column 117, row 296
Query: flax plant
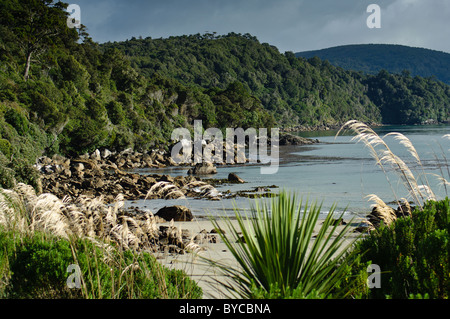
column 279, row 253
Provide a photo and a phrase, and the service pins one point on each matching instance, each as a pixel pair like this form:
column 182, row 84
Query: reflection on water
column 335, row 172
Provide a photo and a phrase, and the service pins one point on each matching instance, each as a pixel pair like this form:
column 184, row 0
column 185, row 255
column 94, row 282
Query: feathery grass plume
column 27, row 194
column 48, row 217
column 381, row 212
column 446, row 164
column 83, row 218
column 443, row 181
column 13, row 212
column 377, row 200
column 165, row 190
column 203, row 189
column 149, row 228
column 279, row 252
column 370, row 140
column 386, row 156
column 406, row 142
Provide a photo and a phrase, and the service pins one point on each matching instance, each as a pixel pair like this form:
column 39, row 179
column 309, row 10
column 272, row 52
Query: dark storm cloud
column 294, row 25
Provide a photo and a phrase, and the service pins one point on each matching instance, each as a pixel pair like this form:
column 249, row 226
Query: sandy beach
column 199, row 270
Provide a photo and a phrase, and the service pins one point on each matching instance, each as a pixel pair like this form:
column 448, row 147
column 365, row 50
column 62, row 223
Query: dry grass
column 167, row 190
column 22, row 210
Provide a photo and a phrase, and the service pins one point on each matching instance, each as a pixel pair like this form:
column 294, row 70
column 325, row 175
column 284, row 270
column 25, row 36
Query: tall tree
column 37, row 25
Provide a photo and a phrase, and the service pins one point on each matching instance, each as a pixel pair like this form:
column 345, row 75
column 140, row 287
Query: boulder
column 106, row 153
column 177, row 213
column 79, row 167
column 96, row 155
column 203, row 169
column 232, row 177
column 338, row 222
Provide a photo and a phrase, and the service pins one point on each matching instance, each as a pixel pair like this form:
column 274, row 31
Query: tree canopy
column 61, row 92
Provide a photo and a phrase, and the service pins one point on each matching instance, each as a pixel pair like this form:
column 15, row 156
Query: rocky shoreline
column 108, row 174
column 321, row 127
column 94, row 176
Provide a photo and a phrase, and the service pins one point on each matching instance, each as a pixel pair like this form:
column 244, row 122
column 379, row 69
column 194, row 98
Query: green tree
column 37, row 25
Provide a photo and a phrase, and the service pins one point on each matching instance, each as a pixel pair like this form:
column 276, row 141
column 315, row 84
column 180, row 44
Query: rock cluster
column 289, row 139
column 104, row 174
column 174, row 240
column 206, row 168
column 384, row 215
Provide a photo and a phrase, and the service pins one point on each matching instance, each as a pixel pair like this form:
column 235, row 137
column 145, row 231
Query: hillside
column 297, row 91
column 372, row 58
column 63, row 93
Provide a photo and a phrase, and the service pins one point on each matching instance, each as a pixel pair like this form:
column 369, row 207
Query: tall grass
column 42, row 235
column 279, row 254
column 22, row 210
column 417, row 185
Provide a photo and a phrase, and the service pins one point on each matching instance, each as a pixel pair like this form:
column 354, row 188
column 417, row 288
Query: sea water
column 337, row 173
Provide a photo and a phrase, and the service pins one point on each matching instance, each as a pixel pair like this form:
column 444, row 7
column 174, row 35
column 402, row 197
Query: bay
column 337, row 172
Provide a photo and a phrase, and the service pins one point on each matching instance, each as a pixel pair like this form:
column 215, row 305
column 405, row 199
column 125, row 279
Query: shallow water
column 338, row 171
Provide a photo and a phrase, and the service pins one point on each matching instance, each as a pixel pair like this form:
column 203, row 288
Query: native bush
column 17, row 120
column 413, row 254
column 35, row 265
column 7, row 179
column 26, row 173
column 6, row 148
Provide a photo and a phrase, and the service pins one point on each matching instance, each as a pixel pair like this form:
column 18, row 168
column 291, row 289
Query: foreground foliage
column 35, row 266
column 413, row 254
column 41, row 236
column 277, row 257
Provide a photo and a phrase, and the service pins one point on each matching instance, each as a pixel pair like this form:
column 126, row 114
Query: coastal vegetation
column 42, row 235
column 280, row 255
column 62, row 94
column 412, row 253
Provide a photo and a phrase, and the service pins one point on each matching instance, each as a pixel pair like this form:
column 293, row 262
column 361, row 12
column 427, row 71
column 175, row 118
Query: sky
column 290, row 25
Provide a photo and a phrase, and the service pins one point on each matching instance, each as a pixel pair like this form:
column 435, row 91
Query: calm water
column 338, row 171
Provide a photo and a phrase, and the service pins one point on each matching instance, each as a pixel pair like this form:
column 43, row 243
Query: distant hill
column 296, row 91
column 371, row 58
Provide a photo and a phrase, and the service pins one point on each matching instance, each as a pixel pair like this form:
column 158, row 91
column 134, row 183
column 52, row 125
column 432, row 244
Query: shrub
column 26, row 173
column 36, row 266
column 413, row 254
column 7, row 179
column 6, row 148
column 116, row 113
column 17, row 120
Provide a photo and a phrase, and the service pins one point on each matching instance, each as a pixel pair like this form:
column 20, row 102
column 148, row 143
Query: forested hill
column 63, row 93
column 296, row 90
column 372, row 58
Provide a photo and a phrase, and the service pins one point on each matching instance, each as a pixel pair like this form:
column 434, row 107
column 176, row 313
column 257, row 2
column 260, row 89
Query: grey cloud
column 294, row 25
